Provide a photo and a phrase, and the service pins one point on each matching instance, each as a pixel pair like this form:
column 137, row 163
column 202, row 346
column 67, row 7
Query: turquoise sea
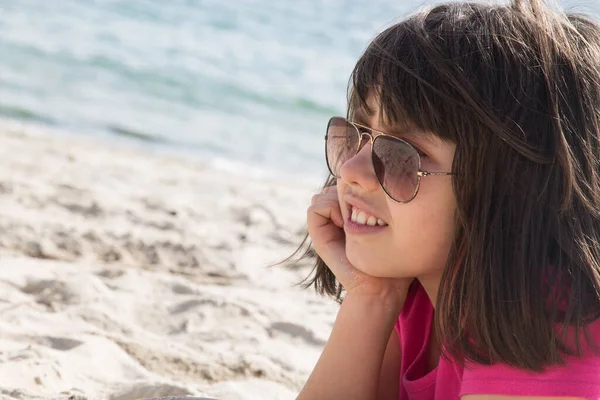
column 246, row 84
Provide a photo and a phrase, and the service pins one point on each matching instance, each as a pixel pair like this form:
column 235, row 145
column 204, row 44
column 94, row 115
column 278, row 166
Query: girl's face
column 418, row 235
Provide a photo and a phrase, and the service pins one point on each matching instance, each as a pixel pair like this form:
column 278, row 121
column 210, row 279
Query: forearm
column 350, row 364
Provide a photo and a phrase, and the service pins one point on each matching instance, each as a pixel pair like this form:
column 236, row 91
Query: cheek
column 424, row 231
column 422, row 241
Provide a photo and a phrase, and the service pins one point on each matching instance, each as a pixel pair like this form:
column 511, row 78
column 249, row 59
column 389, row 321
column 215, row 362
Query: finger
column 327, row 189
column 323, row 197
column 321, row 213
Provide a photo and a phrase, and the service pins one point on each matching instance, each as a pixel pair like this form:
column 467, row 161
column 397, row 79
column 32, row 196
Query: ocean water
column 242, row 84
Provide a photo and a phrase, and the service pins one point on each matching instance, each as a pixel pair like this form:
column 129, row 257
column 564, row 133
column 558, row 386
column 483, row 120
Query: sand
column 127, row 273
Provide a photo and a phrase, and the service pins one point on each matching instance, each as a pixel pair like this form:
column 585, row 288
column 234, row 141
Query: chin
column 372, row 264
column 369, row 264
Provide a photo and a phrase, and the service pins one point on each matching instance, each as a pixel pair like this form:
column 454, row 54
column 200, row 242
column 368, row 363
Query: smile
column 363, row 218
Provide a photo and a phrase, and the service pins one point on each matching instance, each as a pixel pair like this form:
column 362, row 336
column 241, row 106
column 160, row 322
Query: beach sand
column 130, row 274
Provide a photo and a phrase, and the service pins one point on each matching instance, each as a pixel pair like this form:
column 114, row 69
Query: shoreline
column 177, row 151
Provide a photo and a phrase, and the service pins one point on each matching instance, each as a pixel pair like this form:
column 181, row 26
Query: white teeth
column 361, row 218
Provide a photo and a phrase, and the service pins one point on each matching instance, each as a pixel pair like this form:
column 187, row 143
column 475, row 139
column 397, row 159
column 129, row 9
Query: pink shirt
column 580, row 378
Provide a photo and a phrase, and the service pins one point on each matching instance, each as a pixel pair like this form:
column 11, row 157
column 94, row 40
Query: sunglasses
column 396, row 162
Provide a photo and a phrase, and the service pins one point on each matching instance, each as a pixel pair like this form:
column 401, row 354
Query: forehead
column 373, row 117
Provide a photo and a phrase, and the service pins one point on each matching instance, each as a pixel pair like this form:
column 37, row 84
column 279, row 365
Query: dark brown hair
column 517, row 88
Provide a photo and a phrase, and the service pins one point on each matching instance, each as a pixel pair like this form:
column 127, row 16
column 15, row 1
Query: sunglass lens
column 341, row 144
column 396, row 166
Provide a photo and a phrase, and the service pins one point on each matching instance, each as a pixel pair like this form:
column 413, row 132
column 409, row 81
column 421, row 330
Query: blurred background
column 155, row 157
column 241, row 83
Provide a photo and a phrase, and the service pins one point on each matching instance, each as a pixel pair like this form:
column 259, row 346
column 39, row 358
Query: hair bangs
column 396, row 76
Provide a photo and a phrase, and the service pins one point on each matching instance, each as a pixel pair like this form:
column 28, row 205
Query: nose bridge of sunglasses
column 364, row 139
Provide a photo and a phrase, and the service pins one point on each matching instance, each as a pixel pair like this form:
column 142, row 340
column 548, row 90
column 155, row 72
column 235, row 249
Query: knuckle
column 312, row 210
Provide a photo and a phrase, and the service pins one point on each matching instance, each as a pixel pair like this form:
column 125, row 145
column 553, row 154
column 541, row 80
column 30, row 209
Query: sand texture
column 128, row 274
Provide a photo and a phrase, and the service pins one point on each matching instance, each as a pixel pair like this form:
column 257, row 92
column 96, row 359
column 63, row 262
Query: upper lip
column 355, row 202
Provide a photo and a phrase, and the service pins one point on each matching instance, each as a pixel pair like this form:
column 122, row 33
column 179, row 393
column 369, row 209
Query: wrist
column 389, row 303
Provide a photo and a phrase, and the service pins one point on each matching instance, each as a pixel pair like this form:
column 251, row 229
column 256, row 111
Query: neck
column 431, row 284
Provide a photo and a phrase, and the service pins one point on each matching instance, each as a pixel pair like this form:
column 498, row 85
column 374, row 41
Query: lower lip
column 354, row 228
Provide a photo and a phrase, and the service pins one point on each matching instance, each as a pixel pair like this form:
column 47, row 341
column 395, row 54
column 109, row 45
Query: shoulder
column 578, row 379
column 502, row 397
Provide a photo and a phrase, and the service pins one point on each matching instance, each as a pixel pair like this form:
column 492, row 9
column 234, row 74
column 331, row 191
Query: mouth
column 361, row 217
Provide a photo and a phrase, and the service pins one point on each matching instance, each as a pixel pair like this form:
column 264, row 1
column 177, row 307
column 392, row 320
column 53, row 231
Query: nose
column 358, row 170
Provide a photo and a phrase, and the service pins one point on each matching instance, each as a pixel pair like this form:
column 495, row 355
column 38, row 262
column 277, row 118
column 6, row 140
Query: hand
column 326, row 229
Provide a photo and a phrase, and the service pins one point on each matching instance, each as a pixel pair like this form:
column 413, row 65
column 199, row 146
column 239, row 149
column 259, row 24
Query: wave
column 24, row 114
column 136, row 134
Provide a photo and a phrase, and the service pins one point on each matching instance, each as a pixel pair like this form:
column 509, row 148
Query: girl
column 462, row 219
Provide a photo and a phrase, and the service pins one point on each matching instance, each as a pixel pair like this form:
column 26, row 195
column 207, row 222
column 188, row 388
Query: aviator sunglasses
column 396, row 162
